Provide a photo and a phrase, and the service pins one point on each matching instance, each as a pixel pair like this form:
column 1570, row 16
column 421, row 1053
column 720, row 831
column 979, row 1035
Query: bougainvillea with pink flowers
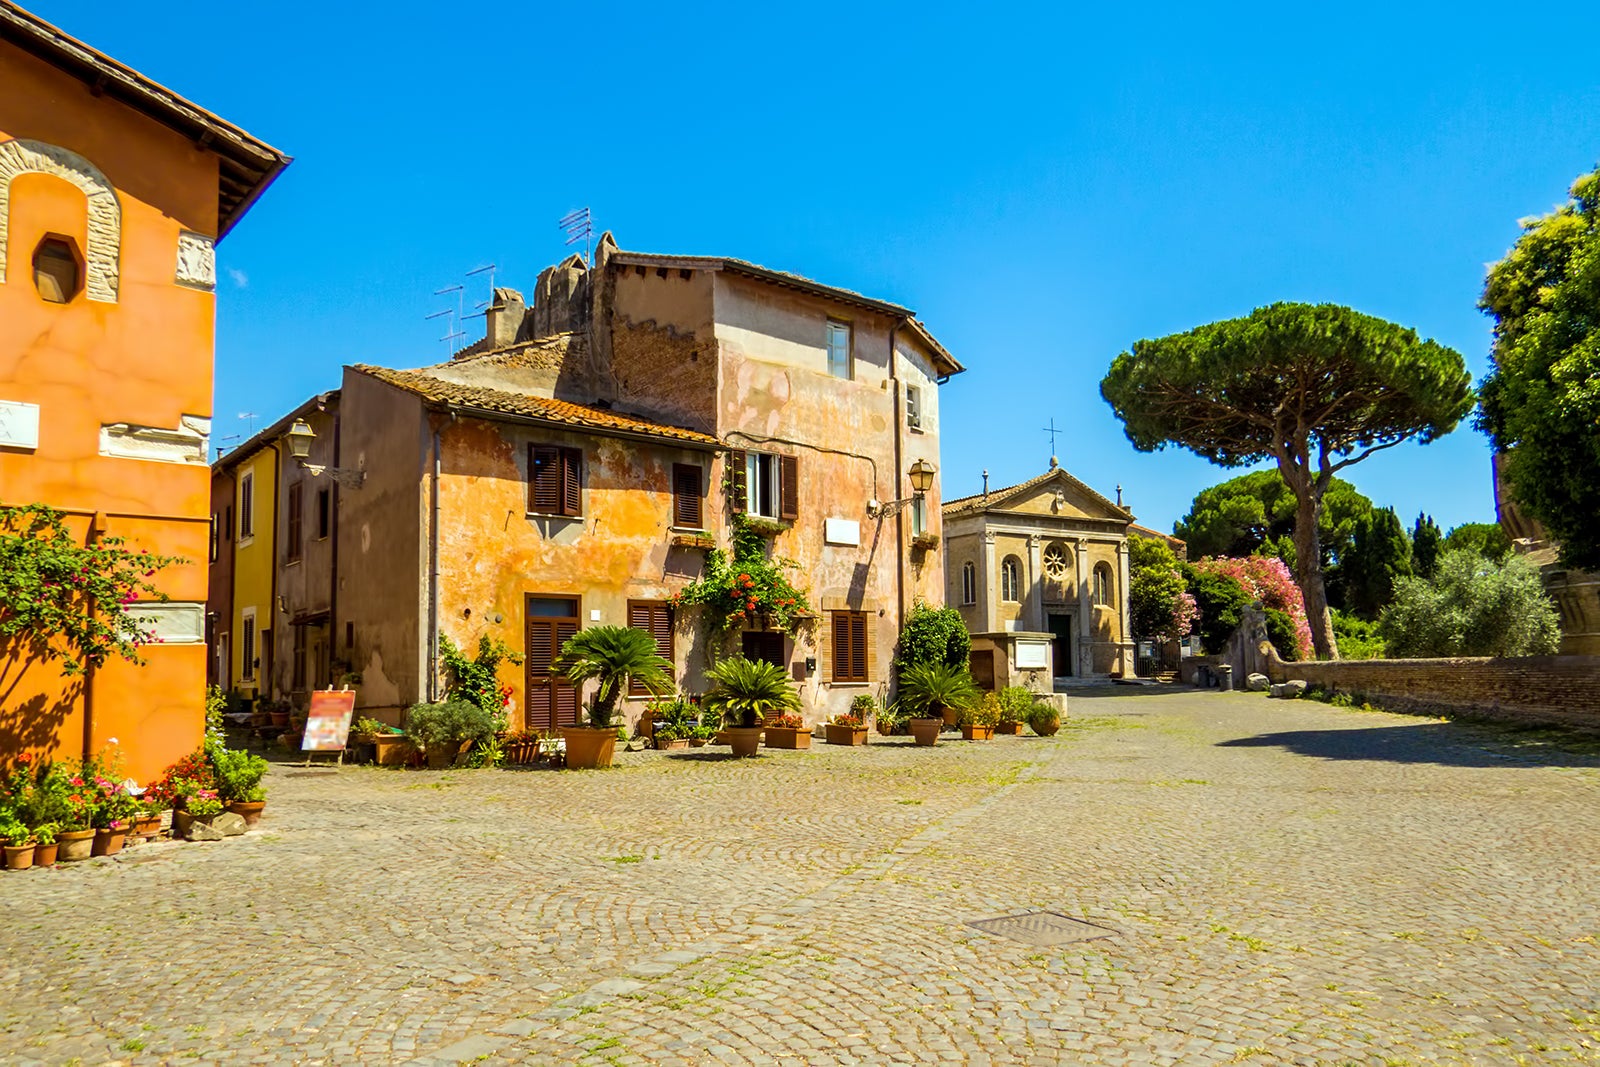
column 1267, row 579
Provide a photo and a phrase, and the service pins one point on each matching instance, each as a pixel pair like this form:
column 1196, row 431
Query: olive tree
column 1312, row 388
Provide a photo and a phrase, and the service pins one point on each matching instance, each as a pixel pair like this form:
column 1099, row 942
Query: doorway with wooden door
column 552, row 701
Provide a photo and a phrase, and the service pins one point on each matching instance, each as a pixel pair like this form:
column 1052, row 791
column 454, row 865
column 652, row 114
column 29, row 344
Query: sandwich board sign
column 328, row 720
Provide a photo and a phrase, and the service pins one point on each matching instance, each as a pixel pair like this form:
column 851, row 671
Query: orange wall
column 145, row 359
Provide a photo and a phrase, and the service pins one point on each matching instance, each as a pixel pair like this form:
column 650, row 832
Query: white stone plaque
column 841, row 531
column 1032, row 655
column 174, row 622
column 19, row 424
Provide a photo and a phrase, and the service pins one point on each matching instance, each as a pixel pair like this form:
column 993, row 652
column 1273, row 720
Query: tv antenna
column 250, row 418
column 451, row 333
column 579, row 226
column 480, row 308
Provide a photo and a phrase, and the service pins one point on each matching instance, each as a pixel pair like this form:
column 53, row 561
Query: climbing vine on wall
column 752, row 584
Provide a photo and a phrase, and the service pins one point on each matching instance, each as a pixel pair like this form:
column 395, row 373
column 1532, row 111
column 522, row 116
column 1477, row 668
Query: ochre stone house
column 1039, row 572
column 573, row 467
column 113, row 193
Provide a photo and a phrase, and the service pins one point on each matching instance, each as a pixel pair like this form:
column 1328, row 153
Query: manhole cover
column 1044, row 928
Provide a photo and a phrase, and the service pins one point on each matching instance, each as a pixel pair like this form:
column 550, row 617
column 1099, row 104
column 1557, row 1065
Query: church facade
column 1039, row 572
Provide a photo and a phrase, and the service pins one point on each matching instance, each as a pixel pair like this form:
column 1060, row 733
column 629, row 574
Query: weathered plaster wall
column 494, row 553
column 663, row 353
column 255, row 557
column 305, row 586
column 382, row 542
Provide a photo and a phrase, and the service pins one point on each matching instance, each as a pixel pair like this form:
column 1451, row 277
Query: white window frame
column 913, row 407
column 919, row 516
column 762, row 469
column 834, row 329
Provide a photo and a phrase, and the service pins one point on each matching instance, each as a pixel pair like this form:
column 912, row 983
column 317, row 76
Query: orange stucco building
column 113, row 193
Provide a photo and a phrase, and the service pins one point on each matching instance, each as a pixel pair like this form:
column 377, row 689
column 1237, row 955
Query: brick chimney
column 503, row 318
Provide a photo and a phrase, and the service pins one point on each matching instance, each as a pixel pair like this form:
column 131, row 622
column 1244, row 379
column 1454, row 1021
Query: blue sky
column 1043, row 185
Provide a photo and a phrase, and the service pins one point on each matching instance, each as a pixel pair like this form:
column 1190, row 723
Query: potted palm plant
column 613, row 657
column 929, row 691
column 747, row 691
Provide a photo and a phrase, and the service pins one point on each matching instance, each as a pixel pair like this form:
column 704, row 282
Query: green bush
column 986, row 712
column 1044, row 719
column 239, row 775
column 1221, row 601
column 1472, row 606
column 1358, row 638
column 1016, row 701
column 934, row 635
column 1280, row 631
column 453, row 722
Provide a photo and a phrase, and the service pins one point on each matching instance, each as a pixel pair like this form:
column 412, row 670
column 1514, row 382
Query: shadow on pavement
column 1447, row 744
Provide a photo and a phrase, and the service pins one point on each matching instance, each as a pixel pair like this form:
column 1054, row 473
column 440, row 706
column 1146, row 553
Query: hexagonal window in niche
column 57, row 269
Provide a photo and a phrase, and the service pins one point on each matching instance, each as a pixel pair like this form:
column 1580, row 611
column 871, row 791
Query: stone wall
column 1562, row 690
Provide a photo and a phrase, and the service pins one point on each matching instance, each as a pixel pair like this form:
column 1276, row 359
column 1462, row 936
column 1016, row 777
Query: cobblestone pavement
column 1281, row 882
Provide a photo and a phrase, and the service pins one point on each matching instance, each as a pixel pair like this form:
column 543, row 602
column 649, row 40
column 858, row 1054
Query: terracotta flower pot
column 390, row 749
column 148, row 826
column 74, row 845
column 667, row 745
column 744, row 739
column 589, row 748
column 19, row 857
column 45, row 855
column 977, row 733
column 786, row 737
column 108, row 842
column 698, row 742
column 250, row 810
column 846, row 735
column 442, row 756
column 950, row 715
column 1008, row 728
column 926, row 731
column 280, row 719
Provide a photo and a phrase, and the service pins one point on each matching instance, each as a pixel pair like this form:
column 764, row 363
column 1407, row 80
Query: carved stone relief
column 187, row 443
column 197, row 262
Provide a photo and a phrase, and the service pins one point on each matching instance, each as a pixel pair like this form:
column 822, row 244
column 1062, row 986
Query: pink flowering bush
column 1267, row 579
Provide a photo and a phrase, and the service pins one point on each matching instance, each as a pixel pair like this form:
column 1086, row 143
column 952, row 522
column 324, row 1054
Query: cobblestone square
column 1286, row 882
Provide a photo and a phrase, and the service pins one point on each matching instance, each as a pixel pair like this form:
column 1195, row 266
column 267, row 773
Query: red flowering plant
column 63, row 599
column 787, row 720
column 184, row 779
column 751, row 585
column 1267, row 579
column 848, row 721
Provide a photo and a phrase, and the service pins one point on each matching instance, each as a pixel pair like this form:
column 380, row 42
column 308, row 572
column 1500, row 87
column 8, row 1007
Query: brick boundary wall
column 1556, row 690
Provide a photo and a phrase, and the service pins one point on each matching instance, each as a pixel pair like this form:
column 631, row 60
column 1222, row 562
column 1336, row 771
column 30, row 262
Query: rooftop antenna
column 460, row 291
column 491, row 268
column 250, row 418
column 452, row 333
column 221, row 444
column 1052, row 431
column 578, row 226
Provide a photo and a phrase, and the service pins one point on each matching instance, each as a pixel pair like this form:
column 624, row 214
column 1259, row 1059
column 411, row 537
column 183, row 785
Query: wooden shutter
column 788, row 487
column 686, row 509
column 738, row 481
column 292, row 543
column 544, row 479
column 552, row 700
column 849, row 646
column 655, row 618
column 564, row 695
column 571, row 483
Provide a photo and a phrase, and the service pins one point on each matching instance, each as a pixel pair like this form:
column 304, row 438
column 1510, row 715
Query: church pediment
column 1056, row 494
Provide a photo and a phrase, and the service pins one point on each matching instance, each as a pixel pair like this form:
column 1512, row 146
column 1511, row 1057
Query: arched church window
column 969, row 583
column 1102, row 585
column 56, row 271
column 1011, row 579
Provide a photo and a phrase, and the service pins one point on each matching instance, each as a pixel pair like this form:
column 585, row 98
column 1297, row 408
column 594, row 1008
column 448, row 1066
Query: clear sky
column 1043, row 185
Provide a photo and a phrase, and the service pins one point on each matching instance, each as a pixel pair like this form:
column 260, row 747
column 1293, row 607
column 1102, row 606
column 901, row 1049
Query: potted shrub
column 745, row 693
column 890, row 720
column 239, row 785
column 520, row 748
column 671, row 723
column 978, row 720
column 1044, row 719
column 362, row 743
column 113, row 817
column 613, row 657
column 147, row 818
column 932, row 691
column 442, row 730
column 18, row 842
column 75, row 826
column 847, row 729
column 44, row 845
column 1016, row 702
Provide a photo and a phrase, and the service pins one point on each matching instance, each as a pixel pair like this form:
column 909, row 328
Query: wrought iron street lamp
column 921, row 477
column 300, row 436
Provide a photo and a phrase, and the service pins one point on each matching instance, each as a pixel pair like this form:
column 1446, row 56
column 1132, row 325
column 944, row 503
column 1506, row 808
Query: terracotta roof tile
column 544, row 409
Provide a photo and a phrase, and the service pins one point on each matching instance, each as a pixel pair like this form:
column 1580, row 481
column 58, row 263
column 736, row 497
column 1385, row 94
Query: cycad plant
column 614, row 656
column 747, row 690
column 928, row 689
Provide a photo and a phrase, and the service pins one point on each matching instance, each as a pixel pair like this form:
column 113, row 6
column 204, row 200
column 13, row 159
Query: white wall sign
column 1033, row 655
column 174, row 622
column 19, row 424
column 841, row 531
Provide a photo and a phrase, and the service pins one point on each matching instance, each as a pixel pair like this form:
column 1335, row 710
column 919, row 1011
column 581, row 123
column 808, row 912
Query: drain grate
column 1042, row 928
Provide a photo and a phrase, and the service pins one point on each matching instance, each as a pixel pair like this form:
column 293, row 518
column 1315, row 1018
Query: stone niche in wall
column 186, row 443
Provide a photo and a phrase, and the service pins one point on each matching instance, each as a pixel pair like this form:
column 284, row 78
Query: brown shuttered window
column 292, row 543
column 686, row 496
column 738, row 479
column 788, row 487
column 849, row 646
column 555, row 485
column 654, row 617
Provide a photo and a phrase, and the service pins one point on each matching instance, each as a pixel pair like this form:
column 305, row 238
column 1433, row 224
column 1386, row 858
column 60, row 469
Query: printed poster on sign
column 328, row 722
